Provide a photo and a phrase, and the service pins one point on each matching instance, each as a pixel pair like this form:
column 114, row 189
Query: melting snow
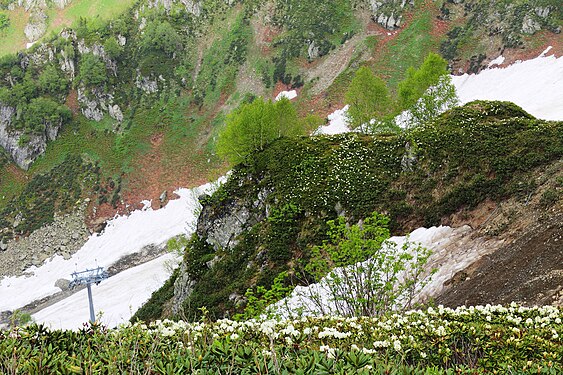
column 122, row 236
column 337, row 123
column 453, row 250
column 287, row 94
column 498, row 61
column 535, row 85
column 116, row 298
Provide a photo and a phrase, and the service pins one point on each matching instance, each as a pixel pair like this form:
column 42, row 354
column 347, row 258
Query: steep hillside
column 122, row 104
column 275, row 205
column 140, row 89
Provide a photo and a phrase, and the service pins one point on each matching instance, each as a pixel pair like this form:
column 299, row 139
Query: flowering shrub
column 465, row 340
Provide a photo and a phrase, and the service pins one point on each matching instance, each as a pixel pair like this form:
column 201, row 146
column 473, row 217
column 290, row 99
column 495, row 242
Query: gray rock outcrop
column 37, row 26
column 220, row 227
column 62, row 284
column 193, row 7
column 146, row 84
column 24, row 153
column 95, row 103
column 388, row 13
column 183, row 287
column 61, row 3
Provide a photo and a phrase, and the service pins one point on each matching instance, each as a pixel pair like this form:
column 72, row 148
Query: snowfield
column 122, row 236
column 116, row 299
column 535, row 85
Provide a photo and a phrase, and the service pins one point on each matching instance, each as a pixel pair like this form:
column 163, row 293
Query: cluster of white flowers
column 425, row 331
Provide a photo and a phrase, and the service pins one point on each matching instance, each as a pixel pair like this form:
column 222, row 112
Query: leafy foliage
column 92, row 71
column 419, row 80
column 368, row 98
column 252, row 126
column 361, row 273
column 423, row 95
column 436, row 341
column 160, row 36
column 4, row 21
column 43, row 111
column 45, row 194
column 480, row 151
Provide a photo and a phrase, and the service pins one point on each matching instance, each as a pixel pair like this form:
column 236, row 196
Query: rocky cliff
column 24, row 148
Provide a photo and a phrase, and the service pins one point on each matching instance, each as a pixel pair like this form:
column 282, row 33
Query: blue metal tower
column 89, row 277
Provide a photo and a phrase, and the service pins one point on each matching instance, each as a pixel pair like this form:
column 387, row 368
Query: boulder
column 63, row 284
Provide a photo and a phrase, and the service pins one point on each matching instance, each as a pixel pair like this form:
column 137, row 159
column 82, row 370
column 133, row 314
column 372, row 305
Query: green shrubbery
column 424, row 93
column 483, row 150
column 467, row 340
column 58, row 190
column 254, row 125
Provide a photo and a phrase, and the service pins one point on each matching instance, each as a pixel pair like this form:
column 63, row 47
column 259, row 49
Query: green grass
column 101, row 10
column 408, row 49
column 9, row 187
column 12, row 39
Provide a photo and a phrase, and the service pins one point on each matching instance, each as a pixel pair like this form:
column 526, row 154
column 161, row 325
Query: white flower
column 397, row 345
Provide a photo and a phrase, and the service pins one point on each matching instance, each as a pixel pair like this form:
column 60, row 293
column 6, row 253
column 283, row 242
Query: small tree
column 368, row 99
column 436, row 100
column 161, row 36
column 92, row 71
column 360, row 273
column 419, row 80
column 4, row 21
column 51, row 81
column 253, row 125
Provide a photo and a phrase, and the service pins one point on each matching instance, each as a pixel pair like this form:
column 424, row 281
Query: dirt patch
column 17, row 174
column 72, row 102
column 60, row 19
column 264, row 31
column 543, row 40
column 528, row 271
column 475, row 218
column 249, row 81
column 528, row 267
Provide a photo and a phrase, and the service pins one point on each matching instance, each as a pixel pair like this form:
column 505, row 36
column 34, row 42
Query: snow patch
column 498, row 61
column 544, row 53
column 287, row 94
column 115, row 299
column 337, row 123
column 453, row 250
column 535, row 85
column 124, row 235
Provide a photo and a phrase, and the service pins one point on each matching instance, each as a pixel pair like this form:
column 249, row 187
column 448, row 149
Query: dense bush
column 467, row 340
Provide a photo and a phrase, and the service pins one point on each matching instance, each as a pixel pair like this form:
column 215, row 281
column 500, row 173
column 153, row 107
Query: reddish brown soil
column 545, row 39
column 72, row 102
column 17, row 174
column 279, row 87
column 152, row 176
column 60, row 19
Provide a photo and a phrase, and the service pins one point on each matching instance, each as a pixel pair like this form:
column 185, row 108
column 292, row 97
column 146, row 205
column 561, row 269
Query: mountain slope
column 274, row 207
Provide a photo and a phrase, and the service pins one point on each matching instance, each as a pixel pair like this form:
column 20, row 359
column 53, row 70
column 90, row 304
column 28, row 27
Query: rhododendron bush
column 465, row 340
